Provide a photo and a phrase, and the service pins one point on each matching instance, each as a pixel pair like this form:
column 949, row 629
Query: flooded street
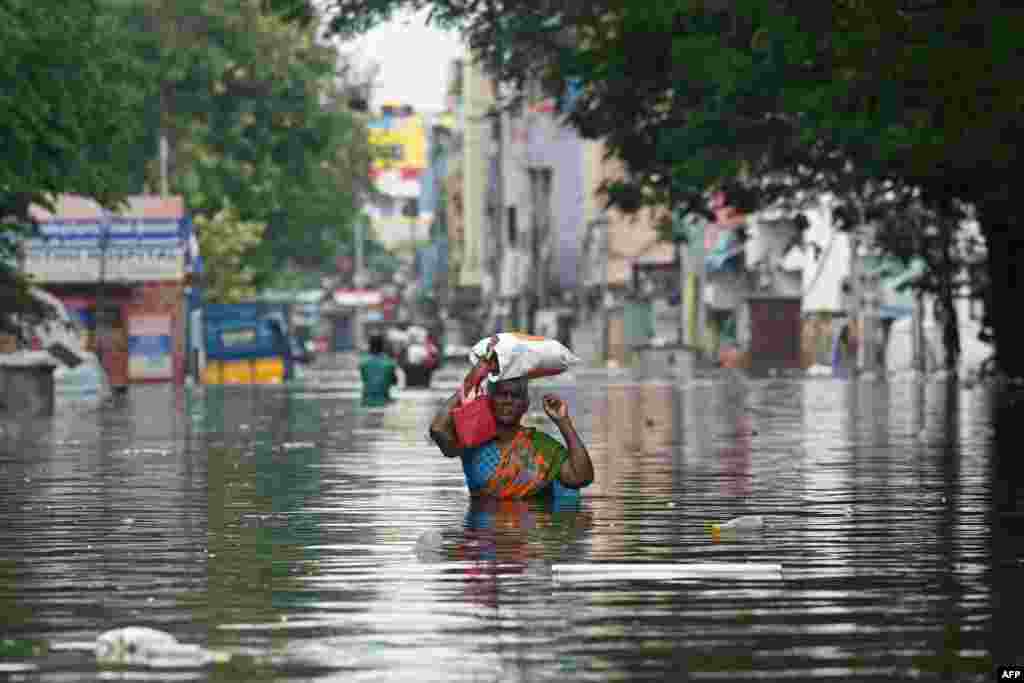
column 303, row 537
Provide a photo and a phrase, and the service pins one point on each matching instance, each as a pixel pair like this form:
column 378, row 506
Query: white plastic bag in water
column 147, row 647
column 523, row 355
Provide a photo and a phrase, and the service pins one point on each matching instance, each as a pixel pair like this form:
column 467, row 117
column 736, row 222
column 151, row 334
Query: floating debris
column 151, row 648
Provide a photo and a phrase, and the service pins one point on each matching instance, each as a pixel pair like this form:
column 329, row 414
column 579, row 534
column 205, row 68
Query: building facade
column 622, row 261
column 126, row 269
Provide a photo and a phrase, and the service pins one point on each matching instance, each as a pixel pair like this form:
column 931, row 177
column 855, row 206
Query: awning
column 894, row 312
column 357, row 297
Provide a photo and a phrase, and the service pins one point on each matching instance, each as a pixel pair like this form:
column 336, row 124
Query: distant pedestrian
column 378, row 372
column 421, row 358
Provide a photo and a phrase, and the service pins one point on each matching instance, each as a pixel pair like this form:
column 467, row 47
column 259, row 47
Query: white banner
column 357, row 297
column 123, row 263
column 119, row 230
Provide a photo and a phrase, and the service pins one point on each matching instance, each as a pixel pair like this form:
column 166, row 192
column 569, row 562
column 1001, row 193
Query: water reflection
column 262, row 481
column 507, row 537
column 284, row 525
column 1005, row 526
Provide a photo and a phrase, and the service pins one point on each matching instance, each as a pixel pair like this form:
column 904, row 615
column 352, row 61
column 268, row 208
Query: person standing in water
column 519, row 462
column 377, row 371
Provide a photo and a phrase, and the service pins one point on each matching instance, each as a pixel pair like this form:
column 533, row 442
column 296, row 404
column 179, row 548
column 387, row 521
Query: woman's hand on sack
column 492, row 356
column 556, row 408
column 487, row 366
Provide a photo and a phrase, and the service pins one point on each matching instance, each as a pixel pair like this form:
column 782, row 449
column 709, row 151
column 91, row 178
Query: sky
column 414, row 61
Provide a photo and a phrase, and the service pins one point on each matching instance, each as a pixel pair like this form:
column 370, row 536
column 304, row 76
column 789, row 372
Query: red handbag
column 474, row 419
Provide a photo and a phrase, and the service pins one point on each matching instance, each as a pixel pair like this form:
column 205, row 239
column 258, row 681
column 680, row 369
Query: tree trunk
column 950, row 328
column 1005, row 246
column 947, row 299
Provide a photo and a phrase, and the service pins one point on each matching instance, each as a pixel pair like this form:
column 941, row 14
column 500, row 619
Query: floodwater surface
column 301, row 537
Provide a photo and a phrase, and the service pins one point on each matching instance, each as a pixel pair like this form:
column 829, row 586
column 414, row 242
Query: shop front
column 349, row 311
column 124, row 276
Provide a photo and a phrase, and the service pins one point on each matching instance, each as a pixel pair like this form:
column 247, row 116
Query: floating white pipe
column 750, row 571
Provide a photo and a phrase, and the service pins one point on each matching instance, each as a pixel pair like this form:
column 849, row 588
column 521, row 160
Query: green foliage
column 867, row 100
column 824, row 95
column 252, row 106
column 65, row 118
column 224, row 240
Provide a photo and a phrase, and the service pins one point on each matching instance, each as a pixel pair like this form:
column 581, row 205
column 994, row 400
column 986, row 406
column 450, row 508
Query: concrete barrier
column 26, row 383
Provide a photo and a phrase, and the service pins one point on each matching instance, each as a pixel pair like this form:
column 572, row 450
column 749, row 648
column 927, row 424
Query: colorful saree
column 528, row 465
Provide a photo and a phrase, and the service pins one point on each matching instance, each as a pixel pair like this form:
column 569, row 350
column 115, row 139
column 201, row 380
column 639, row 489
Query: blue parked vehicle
column 248, row 344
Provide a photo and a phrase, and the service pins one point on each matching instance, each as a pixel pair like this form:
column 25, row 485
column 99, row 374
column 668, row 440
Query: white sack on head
column 523, row 355
column 397, row 336
column 417, row 354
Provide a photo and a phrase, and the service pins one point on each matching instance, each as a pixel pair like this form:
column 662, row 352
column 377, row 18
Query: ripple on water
column 310, row 538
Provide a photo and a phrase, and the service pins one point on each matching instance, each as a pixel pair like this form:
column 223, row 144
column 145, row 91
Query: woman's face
column 510, row 400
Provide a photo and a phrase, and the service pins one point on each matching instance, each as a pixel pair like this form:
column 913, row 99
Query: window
column 513, row 228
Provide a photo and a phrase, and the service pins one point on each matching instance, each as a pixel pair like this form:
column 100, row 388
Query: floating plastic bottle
column 735, row 527
column 428, row 546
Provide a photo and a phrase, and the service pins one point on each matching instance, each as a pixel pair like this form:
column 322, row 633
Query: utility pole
column 680, row 241
column 681, row 262
column 701, row 268
column 602, row 224
column 357, row 279
column 853, row 315
column 102, row 330
column 500, row 235
column 359, row 236
column 689, row 244
column 411, row 212
column 164, row 157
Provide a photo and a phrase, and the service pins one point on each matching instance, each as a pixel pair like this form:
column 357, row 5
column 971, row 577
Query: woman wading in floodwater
column 520, row 461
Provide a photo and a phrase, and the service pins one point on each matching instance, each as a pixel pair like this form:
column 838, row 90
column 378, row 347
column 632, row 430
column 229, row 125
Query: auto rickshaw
column 252, row 351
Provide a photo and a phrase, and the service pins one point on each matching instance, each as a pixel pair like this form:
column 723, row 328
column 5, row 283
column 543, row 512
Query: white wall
column 823, row 273
column 474, row 160
column 516, row 190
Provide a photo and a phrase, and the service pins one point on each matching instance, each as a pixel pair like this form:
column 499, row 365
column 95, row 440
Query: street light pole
column 682, row 292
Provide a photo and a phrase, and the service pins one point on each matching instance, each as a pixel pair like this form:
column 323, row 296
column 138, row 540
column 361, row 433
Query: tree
column 224, row 240
column 255, row 112
column 63, row 128
column 782, row 98
column 950, row 254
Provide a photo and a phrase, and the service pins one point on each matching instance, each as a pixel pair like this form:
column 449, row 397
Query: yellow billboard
column 399, row 143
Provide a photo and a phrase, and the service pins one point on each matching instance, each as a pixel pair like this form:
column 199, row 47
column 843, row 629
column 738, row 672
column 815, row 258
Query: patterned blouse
column 526, row 466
